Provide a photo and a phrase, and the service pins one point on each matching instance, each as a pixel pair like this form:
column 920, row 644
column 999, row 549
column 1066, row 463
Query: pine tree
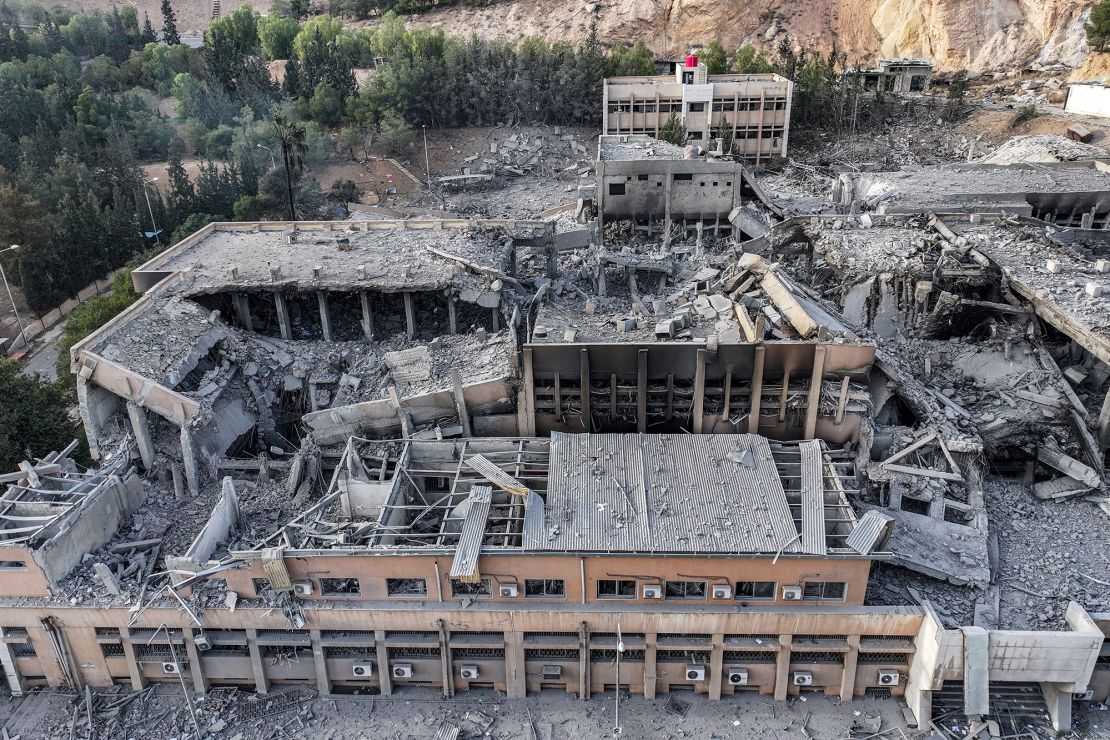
column 1098, row 30
column 169, row 25
column 724, row 133
column 673, row 131
column 148, row 35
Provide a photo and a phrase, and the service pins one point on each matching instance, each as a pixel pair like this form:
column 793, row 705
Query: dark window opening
column 616, row 589
column 641, row 177
column 616, row 188
column 12, row 565
column 683, row 176
column 340, row 587
column 685, row 589
column 915, row 506
column 406, row 586
column 544, row 588
column 462, row 588
column 823, row 591
column 755, row 590
column 697, row 107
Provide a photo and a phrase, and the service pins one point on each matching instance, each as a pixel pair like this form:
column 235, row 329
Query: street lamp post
column 150, row 210
column 273, row 162
column 18, row 320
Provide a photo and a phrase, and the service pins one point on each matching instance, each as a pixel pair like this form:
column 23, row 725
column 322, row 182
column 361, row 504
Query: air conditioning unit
column 738, row 676
column 469, row 672
column 1083, row 695
column 302, row 588
column 888, row 678
column 202, row 642
column 803, row 678
column 552, row 671
column 508, row 590
column 402, row 670
column 624, row 138
column 171, row 668
column 721, row 592
column 791, row 593
column 695, row 673
column 653, row 592
column 362, row 670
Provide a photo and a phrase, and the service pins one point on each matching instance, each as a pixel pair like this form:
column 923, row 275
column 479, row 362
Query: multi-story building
column 755, row 108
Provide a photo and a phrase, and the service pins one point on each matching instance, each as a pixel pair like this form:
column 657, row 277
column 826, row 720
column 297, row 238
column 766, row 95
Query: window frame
column 616, row 588
column 740, row 593
column 545, row 594
column 824, row 586
column 685, row 594
column 389, row 588
column 485, row 586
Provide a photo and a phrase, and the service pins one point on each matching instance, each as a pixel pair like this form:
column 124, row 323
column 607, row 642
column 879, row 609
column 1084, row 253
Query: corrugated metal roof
column 465, row 564
column 871, row 529
column 663, row 493
column 496, row 475
column 813, row 497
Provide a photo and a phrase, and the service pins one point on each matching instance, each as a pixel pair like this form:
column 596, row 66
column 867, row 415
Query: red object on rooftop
column 691, row 61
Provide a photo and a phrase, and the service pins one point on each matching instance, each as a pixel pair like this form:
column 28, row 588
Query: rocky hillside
column 978, row 35
column 975, row 34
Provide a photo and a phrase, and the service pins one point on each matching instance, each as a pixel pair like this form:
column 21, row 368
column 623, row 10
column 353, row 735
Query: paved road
column 44, row 356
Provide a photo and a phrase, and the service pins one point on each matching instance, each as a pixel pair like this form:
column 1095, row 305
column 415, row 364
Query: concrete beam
column 140, row 425
column 976, row 671
column 813, row 402
column 385, row 677
column 319, row 660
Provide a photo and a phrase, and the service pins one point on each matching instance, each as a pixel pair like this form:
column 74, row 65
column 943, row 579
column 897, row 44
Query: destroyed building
column 756, row 107
column 896, row 76
column 656, row 183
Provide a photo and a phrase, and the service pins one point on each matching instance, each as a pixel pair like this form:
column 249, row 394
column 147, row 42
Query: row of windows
column 608, row 588
column 743, row 590
column 675, row 106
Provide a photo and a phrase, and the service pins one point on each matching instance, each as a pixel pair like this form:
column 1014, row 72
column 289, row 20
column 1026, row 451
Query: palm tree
column 290, row 137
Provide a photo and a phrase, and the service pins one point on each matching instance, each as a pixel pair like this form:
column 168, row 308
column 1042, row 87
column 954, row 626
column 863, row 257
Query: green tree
column 326, row 105
column 345, row 192
column 394, row 132
column 276, row 35
column 1098, row 29
column 93, row 314
column 715, row 58
column 169, row 24
column 957, row 96
column 34, row 417
column 148, row 36
column 749, row 60
column 724, row 133
column 673, row 131
column 193, row 224
column 352, row 138
column 290, row 137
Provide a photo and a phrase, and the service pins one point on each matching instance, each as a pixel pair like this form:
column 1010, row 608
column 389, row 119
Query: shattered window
column 752, row 590
column 616, row 589
column 462, row 588
column 406, row 586
column 340, row 587
column 541, row 588
column 685, row 589
column 261, row 585
column 823, row 591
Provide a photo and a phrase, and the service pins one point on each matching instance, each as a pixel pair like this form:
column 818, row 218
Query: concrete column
column 528, row 427
column 813, row 402
column 325, row 316
column 668, row 185
column 1104, row 415
column 11, row 670
column 848, row 680
column 140, row 425
column 189, row 460
column 452, row 317
column 650, row 671
column 641, row 390
column 445, row 663
column 584, row 385
column 367, row 315
column 782, row 668
column 699, row 393
column 138, row 683
column 242, row 310
column 410, row 315
column 460, row 402
column 1058, row 700
column 757, row 390
column 385, row 678
column 319, row 659
column 261, row 683
column 196, row 670
column 716, row 658
column 515, row 685
column 89, row 419
column 583, row 661
column 285, row 324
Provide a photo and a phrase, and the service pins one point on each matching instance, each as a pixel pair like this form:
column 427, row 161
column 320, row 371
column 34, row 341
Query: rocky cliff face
column 979, row 35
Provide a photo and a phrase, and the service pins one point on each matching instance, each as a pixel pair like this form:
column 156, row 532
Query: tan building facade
column 756, row 107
